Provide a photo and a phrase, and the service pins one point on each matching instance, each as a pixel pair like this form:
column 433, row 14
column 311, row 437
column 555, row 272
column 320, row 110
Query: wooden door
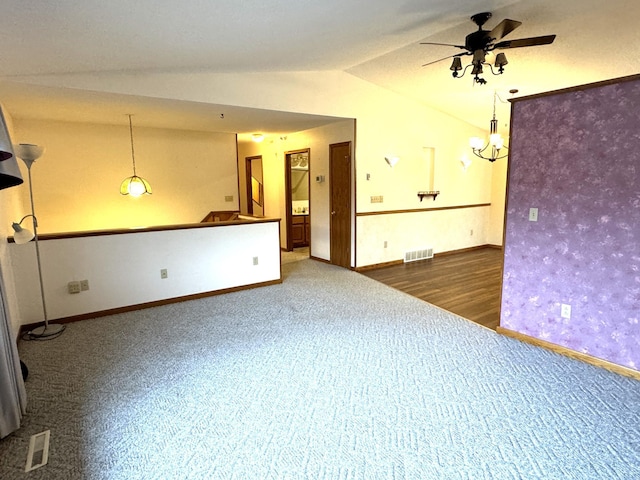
column 340, row 203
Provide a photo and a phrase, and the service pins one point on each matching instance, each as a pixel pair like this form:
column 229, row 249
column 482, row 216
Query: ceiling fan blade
column 443, row 44
column 504, row 28
column 526, row 42
column 445, row 58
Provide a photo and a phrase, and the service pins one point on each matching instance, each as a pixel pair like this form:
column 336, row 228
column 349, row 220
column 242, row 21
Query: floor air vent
column 38, row 451
column 416, row 255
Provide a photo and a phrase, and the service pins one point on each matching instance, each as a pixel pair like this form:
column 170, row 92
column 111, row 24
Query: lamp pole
column 29, row 154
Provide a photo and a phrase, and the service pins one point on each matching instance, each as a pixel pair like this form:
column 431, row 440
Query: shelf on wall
column 433, row 194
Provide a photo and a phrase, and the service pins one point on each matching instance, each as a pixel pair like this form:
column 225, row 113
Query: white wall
column 76, row 182
column 124, row 269
column 386, row 123
column 442, row 230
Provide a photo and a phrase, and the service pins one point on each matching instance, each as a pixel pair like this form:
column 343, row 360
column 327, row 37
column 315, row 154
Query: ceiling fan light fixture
column 479, row 57
column 501, row 60
column 481, row 43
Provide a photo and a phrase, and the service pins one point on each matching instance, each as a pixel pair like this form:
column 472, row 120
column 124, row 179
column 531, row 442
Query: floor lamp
column 30, row 153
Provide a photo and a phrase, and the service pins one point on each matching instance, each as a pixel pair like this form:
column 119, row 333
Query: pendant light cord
column 495, row 94
column 133, row 156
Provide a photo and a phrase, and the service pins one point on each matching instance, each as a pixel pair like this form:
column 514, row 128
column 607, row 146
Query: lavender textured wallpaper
column 575, row 156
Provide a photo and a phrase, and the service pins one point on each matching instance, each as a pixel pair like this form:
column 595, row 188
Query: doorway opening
column 297, row 200
column 255, row 186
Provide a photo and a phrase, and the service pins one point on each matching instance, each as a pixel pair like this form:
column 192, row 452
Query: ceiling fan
column 480, row 43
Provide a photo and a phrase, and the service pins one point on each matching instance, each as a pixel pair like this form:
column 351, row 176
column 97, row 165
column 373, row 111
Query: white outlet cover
column 533, row 214
column 565, row 311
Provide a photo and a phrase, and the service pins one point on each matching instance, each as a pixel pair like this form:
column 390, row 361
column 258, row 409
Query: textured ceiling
column 376, row 40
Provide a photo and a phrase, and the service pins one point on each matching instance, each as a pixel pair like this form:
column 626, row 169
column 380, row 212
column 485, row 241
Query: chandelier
column 495, row 143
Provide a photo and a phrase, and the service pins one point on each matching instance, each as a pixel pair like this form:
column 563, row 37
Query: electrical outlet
column 377, row 199
column 533, row 214
column 164, row 273
column 73, row 287
column 385, row 244
column 228, row 198
column 255, row 260
column 84, row 285
column 565, row 311
column 471, row 233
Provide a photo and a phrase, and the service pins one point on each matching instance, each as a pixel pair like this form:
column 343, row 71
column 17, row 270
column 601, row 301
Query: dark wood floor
column 466, row 283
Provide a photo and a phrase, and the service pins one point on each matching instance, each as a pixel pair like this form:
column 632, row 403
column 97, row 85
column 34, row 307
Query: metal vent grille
column 415, row 255
column 38, row 454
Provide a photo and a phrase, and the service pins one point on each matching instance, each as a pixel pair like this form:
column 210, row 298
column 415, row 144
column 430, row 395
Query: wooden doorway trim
column 288, row 201
column 249, row 188
column 340, row 203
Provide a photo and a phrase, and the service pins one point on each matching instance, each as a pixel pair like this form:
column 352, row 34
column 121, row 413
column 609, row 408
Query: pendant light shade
column 134, row 185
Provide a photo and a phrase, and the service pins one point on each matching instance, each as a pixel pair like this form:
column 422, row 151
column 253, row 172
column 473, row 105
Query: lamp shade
column 6, row 152
column 22, row 235
column 476, row 143
column 392, row 160
column 135, row 186
column 28, row 152
column 10, row 175
column 501, row 60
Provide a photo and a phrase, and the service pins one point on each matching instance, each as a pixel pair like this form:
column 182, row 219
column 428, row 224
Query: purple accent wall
column 575, row 155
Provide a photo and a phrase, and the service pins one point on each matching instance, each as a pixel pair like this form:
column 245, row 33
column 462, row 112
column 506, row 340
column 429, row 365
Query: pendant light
column 134, row 185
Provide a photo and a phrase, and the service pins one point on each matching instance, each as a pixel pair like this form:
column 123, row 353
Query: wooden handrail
column 221, row 216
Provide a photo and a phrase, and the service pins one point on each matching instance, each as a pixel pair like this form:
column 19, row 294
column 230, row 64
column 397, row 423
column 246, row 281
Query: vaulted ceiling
column 376, row 40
